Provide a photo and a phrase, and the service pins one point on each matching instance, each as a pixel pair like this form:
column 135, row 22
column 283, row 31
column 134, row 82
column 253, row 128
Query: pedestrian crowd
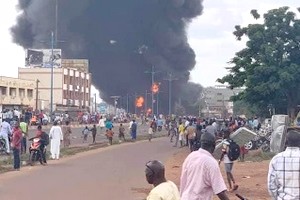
column 201, row 177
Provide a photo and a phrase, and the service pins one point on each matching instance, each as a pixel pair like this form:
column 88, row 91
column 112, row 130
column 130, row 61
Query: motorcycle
column 35, row 151
column 260, row 142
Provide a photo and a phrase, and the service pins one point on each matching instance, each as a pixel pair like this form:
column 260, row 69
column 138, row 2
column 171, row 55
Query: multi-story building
column 217, row 101
column 71, row 85
column 16, row 93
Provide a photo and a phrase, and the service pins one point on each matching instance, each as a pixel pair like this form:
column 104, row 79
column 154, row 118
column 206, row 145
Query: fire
column 149, row 111
column 155, row 88
column 139, row 102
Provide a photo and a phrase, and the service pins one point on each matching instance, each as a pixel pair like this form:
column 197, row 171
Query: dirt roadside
column 250, row 176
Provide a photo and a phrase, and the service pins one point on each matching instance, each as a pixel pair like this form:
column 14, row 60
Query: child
column 109, row 135
column 85, row 133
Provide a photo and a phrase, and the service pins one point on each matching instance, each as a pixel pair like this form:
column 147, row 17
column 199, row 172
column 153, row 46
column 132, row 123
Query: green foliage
column 269, row 67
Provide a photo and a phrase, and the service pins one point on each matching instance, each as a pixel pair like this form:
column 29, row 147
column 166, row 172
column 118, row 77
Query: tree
column 269, row 66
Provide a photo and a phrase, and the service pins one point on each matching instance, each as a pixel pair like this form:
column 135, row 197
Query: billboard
column 102, row 108
column 42, row 58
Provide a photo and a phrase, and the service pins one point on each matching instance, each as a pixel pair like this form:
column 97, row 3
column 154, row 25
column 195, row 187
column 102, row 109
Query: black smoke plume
column 121, row 38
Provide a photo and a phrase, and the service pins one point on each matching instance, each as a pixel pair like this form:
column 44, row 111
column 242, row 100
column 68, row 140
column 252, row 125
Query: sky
column 210, row 35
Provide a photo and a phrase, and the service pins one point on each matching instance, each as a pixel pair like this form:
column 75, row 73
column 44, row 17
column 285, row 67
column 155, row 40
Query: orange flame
column 155, row 88
column 149, row 111
column 139, row 102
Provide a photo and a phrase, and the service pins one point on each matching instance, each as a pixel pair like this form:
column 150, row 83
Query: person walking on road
column 101, row 123
column 284, row 170
column 109, row 135
column 16, row 145
column 163, row 189
column 56, row 137
column 150, row 133
column 67, row 134
column 201, row 176
column 133, row 129
column 191, row 133
column 121, row 133
column 228, row 164
column 24, row 129
column 85, row 134
column 5, row 133
column 94, row 133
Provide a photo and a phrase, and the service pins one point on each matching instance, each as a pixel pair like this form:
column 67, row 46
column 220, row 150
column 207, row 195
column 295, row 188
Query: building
column 71, row 86
column 217, row 101
column 76, row 64
column 16, row 93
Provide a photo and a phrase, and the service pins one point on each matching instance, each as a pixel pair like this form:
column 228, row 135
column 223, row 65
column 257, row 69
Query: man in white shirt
column 163, row 189
column 5, row 133
column 284, row 170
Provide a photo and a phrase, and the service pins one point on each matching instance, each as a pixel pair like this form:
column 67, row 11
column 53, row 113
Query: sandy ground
column 250, row 176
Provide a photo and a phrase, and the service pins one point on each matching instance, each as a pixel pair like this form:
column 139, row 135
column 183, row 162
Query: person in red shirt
column 16, row 145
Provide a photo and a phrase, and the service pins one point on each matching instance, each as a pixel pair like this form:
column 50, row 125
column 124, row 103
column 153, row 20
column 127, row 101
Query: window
column 3, row 90
column 13, row 92
column 29, row 93
column 66, row 79
column 66, row 94
column 219, row 94
column 21, row 92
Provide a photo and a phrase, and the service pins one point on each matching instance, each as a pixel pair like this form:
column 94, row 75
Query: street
column 113, row 173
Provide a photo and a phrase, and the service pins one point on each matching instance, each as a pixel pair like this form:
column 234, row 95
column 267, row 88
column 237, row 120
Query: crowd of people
column 201, row 177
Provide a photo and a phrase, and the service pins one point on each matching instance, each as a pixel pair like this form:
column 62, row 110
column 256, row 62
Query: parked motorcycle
column 259, row 142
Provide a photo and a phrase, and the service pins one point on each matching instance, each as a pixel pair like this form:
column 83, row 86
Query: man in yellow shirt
column 24, row 128
column 181, row 130
column 163, row 189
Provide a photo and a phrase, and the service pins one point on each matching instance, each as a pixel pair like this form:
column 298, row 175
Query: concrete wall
column 14, row 91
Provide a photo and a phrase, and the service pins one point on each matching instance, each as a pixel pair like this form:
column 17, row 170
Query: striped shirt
column 284, row 175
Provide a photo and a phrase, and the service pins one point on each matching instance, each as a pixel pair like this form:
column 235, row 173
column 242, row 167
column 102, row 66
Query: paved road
column 112, row 173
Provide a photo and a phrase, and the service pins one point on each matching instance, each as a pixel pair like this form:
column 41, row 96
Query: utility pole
column 115, row 98
column 135, row 98
column 56, row 19
column 52, row 59
column 146, row 102
column 152, row 72
column 170, row 78
column 127, row 106
column 95, row 96
column 37, row 95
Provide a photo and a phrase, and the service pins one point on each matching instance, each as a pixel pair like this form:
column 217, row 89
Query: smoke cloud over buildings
column 121, row 38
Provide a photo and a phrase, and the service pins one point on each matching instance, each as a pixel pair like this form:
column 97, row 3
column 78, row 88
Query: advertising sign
column 42, row 58
column 102, row 108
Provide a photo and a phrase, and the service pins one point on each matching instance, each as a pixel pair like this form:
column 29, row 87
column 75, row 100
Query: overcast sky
column 210, row 35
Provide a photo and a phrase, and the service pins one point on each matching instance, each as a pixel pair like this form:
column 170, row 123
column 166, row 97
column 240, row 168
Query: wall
column 18, row 91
